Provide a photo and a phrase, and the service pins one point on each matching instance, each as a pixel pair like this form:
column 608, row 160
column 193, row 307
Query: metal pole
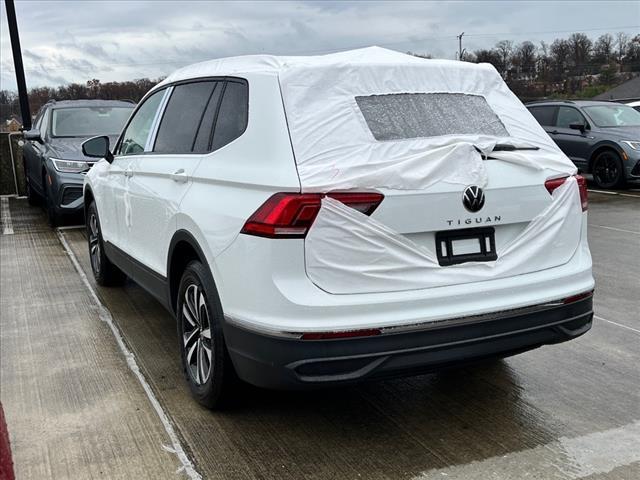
column 17, row 63
column 460, row 46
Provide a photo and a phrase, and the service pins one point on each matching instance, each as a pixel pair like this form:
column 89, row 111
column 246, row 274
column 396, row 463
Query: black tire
column 607, row 170
column 53, row 218
column 32, row 197
column 105, row 272
column 205, row 361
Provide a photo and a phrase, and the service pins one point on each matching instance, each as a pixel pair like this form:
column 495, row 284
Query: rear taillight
column 554, row 183
column 578, row 297
column 289, row 215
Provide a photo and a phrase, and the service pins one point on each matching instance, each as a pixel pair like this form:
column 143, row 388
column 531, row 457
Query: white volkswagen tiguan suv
column 316, row 221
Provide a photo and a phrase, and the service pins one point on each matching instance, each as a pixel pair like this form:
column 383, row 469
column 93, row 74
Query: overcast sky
column 75, row 41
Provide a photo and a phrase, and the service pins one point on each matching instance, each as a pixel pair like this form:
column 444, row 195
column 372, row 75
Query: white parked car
column 635, row 105
column 317, row 221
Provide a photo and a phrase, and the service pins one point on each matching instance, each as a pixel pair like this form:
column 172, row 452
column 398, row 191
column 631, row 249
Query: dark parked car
column 53, row 160
column 601, row 138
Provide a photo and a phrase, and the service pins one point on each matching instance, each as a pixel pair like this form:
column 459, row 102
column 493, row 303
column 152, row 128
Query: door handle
column 179, row 176
column 128, row 173
column 554, row 132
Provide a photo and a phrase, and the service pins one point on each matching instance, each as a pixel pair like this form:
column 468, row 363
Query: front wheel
column 53, row 217
column 607, row 170
column 206, row 363
column 105, row 273
column 32, row 197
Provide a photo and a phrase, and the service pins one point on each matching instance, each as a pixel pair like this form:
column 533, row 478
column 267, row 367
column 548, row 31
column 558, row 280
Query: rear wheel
column 607, row 170
column 105, row 272
column 206, row 363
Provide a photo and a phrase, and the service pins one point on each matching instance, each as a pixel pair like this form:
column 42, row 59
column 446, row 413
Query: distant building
column 629, row 90
column 12, row 124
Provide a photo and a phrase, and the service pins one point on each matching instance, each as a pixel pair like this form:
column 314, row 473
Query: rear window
column 401, row 116
column 544, row 115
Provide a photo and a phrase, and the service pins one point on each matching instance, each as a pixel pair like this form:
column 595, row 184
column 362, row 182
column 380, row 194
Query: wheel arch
column 183, row 249
column 87, row 197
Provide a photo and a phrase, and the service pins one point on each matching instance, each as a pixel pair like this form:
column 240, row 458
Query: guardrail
column 12, row 180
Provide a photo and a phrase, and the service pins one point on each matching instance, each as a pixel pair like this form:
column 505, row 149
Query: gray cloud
column 73, row 41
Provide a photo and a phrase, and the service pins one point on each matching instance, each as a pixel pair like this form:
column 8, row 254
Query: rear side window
column 232, row 116
column 205, row 131
column 403, row 116
column 567, row 116
column 182, row 117
column 544, row 115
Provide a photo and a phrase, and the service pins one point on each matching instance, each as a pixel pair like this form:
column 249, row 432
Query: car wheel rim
column 94, row 243
column 196, row 335
column 606, row 171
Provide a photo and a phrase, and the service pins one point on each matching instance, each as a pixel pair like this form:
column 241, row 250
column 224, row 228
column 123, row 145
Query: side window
column 544, row 115
column 205, row 132
column 185, row 112
column 38, row 119
column 567, row 116
column 232, row 115
column 137, row 132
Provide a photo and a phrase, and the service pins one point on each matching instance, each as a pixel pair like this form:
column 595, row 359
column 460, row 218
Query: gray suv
column 601, row 138
column 54, row 164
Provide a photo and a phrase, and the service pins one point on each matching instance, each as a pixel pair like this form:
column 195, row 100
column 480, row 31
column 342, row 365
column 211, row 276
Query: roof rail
column 550, row 100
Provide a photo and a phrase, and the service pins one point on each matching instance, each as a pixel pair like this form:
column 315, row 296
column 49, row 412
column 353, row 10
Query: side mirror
column 33, row 135
column 578, row 126
column 97, row 147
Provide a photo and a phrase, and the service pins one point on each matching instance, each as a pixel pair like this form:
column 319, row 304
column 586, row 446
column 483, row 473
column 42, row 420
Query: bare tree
column 504, row 49
column 580, row 51
column 603, row 49
column 525, row 57
column 560, row 52
column 622, row 40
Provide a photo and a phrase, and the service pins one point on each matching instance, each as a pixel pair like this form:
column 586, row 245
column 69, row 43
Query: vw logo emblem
column 473, row 198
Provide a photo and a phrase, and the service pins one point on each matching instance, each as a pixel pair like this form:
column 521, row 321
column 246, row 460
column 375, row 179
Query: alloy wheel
column 94, row 242
column 606, row 170
column 196, row 334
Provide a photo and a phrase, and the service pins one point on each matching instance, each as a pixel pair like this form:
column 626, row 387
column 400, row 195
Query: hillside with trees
column 572, row 67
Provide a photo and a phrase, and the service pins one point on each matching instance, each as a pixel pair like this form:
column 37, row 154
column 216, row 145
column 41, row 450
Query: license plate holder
column 459, row 246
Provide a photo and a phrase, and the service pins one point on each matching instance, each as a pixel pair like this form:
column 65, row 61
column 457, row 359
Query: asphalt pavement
column 92, row 387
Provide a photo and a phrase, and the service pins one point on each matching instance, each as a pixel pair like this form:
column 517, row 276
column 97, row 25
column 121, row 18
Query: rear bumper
column 284, row 361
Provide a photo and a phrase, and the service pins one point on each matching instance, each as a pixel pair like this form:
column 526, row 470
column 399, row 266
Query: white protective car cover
column 335, row 149
column 348, row 252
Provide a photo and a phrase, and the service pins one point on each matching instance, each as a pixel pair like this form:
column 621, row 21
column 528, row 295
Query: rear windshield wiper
column 505, row 147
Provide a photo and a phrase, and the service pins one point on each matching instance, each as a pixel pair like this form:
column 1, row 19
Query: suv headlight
column 69, row 166
column 633, row 144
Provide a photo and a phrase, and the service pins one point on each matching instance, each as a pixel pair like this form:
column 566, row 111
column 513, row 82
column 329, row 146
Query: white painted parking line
column 606, row 192
column 614, row 228
column 70, row 227
column 616, row 323
column 565, row 459
column 105, row 316
column 5, row 217
column 620, row 194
